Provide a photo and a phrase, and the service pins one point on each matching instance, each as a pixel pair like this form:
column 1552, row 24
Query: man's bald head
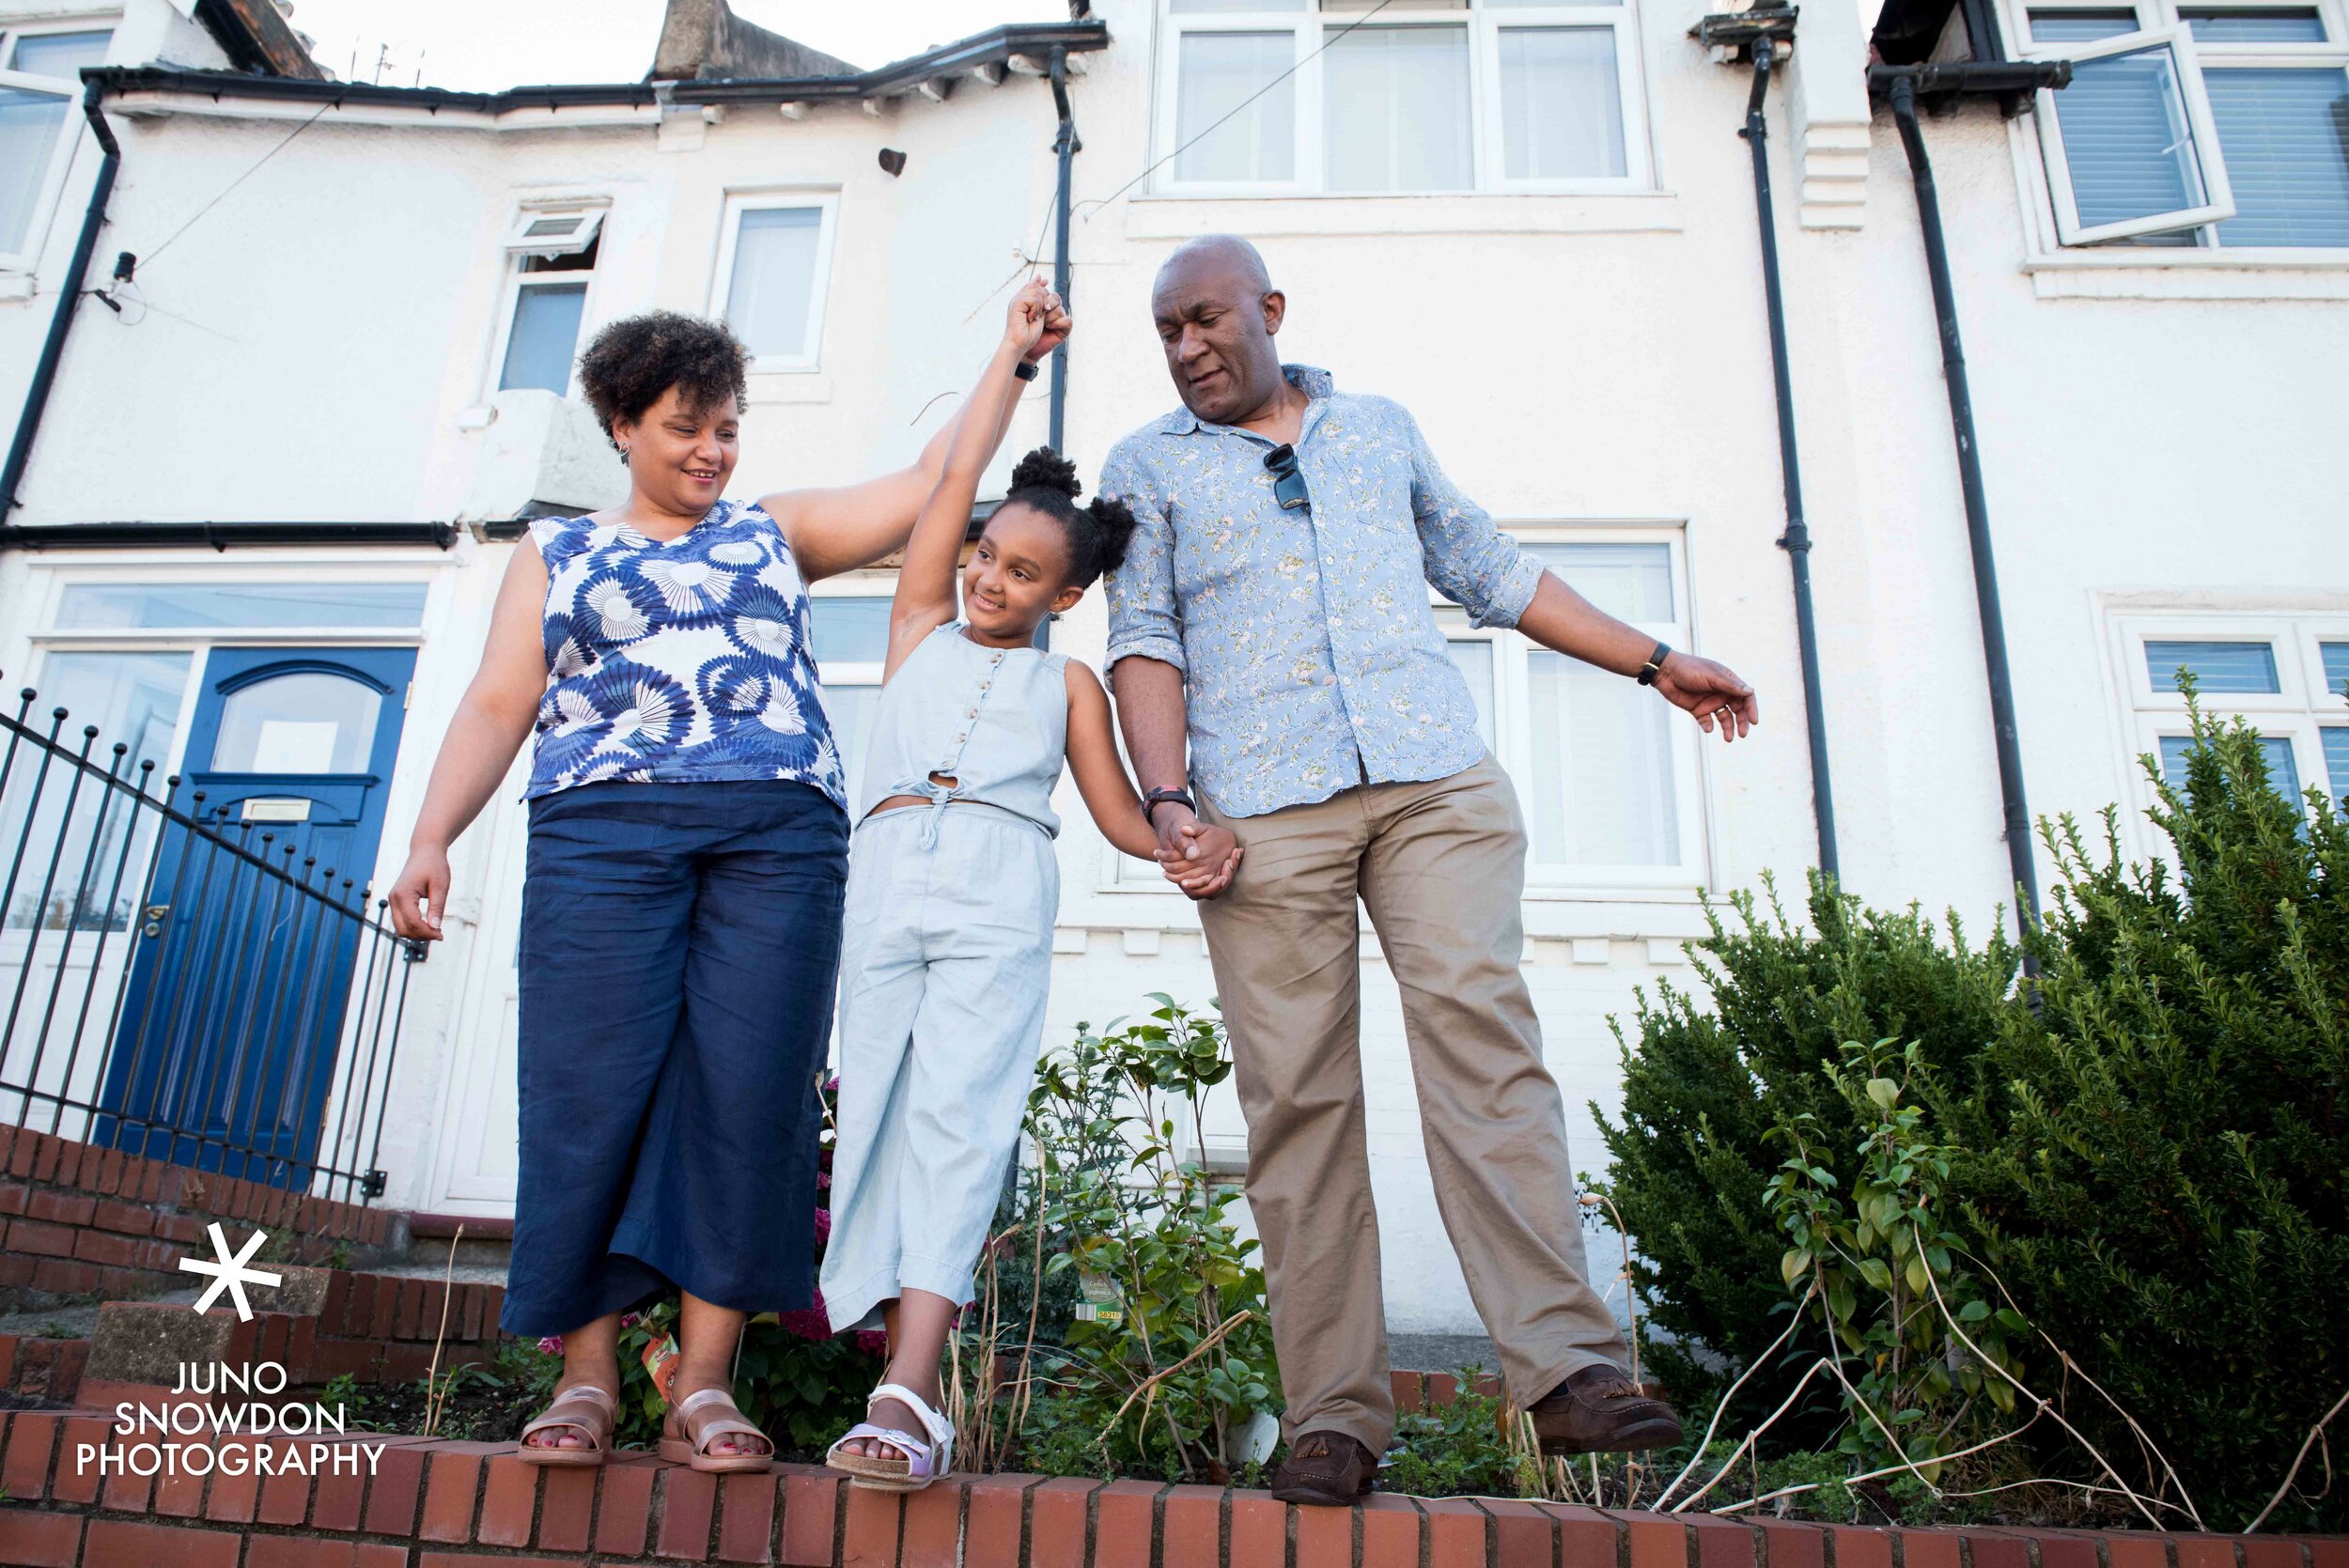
column 1217, row 311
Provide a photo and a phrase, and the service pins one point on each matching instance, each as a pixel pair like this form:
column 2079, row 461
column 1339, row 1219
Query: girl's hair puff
column 1097, row 532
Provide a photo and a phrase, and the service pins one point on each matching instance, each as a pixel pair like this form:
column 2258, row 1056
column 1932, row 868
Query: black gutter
column 994, row 47
column 221, row 535
column 1759, row 31
column 1066, row 146
column 69, row 297
column 1902, row 85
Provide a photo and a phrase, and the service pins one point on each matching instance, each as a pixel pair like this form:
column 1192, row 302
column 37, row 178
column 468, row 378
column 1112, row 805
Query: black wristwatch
column 1157, row 797
column 1025, row 370
column 1655, row 665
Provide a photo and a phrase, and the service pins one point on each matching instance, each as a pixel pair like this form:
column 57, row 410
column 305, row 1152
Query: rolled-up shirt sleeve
column 1140, row 592
column 1468, row 559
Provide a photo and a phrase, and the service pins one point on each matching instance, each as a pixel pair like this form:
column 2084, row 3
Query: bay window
column 2205, row 125
column 1276, row 97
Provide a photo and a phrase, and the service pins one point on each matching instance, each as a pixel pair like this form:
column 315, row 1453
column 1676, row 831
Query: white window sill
column 2212, row 274
column 1179, row 217
column 15, row 287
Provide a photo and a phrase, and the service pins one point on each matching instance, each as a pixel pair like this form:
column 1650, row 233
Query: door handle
column 155, row 915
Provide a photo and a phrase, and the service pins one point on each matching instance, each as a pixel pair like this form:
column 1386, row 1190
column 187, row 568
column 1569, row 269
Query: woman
column 682, row 902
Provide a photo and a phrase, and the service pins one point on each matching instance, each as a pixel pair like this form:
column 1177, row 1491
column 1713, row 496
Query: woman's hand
column 1036, row 324
column 419, row 895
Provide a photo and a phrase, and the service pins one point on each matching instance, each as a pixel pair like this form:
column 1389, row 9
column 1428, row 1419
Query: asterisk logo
column 230, row 1274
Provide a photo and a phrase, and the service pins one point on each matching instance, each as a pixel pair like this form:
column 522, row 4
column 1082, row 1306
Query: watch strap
column 1655, row 665
column 1025, row 370
column 1157, row 797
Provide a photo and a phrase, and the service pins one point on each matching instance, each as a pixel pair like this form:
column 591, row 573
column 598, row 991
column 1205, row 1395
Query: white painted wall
column 1574, row 360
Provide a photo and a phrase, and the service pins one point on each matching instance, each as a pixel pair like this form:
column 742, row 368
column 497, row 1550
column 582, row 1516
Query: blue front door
column 225, row 1052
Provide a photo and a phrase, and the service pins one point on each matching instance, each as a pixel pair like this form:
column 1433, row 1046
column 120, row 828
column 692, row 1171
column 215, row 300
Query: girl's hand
column 418, row 897
column 1035, row 313
column 1206, row 868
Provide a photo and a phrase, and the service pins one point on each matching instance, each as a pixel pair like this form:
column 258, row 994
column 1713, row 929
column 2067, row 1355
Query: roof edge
column 991, row 48
column 258, row 38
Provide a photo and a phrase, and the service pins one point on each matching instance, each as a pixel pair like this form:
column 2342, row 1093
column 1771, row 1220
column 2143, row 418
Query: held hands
column 1196, row 857
column 419, row 895
column 1036, row 323
column 1710, row 690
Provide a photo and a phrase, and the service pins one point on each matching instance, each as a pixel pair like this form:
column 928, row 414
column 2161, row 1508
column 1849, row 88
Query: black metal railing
column 174, row 984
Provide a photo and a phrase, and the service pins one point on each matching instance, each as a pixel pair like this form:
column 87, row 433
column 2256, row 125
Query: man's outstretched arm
column 1561, row 619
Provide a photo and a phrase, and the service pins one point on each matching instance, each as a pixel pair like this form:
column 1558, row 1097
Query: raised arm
column 848, row 526
column 492, row 719
column 925, row 583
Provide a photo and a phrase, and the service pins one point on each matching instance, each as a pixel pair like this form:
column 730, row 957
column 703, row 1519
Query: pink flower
column 823, row 1180
column 872, row 1341
column 629, row 1320
column 823, row 1226
column 552, row 1344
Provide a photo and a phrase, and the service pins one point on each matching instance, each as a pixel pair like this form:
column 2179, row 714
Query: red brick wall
column 444, row 1505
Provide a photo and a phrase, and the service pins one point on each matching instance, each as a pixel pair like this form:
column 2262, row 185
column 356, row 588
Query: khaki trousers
column 1441, row 866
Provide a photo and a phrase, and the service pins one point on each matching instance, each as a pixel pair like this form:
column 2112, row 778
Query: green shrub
column 1707, row 1081
column 1459, row 1447
column 2166, row 1175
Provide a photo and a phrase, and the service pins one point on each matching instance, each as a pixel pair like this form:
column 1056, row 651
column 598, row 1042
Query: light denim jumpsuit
column 946, row 966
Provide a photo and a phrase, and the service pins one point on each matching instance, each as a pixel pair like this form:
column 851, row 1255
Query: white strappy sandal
column 923, row 1462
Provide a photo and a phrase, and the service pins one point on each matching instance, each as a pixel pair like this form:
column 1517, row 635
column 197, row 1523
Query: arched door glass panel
column 309, row 722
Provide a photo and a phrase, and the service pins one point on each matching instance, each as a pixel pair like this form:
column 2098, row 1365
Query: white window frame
column 45, row 208
column 1311, row 28
column 2159, row 19
column 516, row 280
column 867, row 585
column 527, row 215
column 2300, row 707
column 819, row 286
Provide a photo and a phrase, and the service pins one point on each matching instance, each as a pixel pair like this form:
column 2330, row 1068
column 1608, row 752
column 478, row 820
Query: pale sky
column 485, row 44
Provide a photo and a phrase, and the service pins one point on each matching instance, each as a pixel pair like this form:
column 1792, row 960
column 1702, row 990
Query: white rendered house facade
column 1531, row 223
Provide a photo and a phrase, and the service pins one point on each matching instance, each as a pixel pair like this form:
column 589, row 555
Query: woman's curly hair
column 637, row 358
column 1098, row 532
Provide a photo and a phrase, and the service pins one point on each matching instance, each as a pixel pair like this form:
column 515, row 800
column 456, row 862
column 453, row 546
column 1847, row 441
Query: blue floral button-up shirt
column 1311, row 658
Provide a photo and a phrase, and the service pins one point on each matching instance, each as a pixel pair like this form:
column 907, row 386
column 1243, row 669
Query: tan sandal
column 705, row 1418
column 584, row 1408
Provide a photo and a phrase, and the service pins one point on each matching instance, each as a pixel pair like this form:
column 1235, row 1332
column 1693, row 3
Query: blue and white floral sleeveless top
column 682, row 661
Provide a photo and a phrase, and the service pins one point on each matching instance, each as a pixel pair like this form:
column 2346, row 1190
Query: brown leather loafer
column 1599, row 1410
column 1325, row 1468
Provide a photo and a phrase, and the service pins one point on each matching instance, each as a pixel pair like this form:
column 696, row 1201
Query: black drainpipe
column 2007, row 80
column 68, row 296
column 1064, row 143
column 1759, row 31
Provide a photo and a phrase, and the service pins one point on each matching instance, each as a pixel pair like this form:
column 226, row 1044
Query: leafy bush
column 2146, row 1143
column 2165, row 1179
column 1460, row 1446
column 1708, row 1081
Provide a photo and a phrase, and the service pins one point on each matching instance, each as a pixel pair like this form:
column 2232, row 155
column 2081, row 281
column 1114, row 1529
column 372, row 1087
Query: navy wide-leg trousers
column 680, row 944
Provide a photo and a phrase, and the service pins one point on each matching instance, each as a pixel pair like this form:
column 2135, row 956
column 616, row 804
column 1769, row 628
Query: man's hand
column 1712, row 691
column 1208, row 862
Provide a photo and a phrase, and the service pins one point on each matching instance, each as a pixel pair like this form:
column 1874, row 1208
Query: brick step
column 429, row 1504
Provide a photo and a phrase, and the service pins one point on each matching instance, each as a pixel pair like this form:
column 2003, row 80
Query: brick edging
column 437, row 1504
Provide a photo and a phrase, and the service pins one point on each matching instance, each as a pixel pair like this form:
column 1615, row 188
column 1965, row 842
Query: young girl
column 953, row 888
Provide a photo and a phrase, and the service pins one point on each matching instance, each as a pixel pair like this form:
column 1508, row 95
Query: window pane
column 1181, row 7
column 1473, row 657
column 1561, row 103
column 849, row 630
column 28, row 135
column 539, row 352
column 150, row 606
column 774, row 279
column 1218, row 72
column 60, row 54
column 2283, row 771
column 851, row 711
column 2336, row 762
column 2080, row 26
column 1631, row 582
column 310, row 723
column 2216, row 666
column 2336, row 656
column 2284, row 25
column 133, row 699
column 2126, row 139
column 1398, row 110
column 2285, row 136
column 1602, row 766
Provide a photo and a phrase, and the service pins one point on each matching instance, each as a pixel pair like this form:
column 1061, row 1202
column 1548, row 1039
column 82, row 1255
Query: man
column 1273, row 611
